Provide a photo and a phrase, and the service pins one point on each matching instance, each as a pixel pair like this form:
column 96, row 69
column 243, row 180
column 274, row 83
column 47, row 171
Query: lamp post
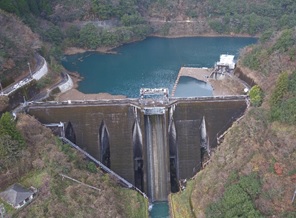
column 30, row 70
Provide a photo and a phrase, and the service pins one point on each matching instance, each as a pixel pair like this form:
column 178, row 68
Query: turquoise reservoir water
column 190, row 87
column 159, row 210
column 152, row 63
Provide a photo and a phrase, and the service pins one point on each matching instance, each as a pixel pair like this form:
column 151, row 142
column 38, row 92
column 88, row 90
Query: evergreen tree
column 8, row 127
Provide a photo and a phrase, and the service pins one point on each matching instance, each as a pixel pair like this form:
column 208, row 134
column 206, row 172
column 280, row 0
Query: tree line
column 23, row 8
column 252, row 17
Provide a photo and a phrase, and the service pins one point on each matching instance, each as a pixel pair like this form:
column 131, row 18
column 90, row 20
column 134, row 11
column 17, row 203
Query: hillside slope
column 17, row 46
column 101, row 24
column 36, row 158
column 255, row 166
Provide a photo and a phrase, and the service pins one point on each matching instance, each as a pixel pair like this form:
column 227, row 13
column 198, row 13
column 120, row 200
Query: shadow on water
column 159, row 210
column 189, row 87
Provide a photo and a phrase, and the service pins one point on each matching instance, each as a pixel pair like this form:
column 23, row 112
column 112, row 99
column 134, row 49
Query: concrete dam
column 151, row 142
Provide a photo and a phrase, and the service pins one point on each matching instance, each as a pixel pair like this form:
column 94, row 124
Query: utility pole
column 25, row 102
column 1, row 88
column 30, row 70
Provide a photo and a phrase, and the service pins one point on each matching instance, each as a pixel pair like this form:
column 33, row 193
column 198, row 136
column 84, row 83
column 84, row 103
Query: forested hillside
column 92, row 24
column 17, row 44
column 253, row 172
column 251, row 17
column 32, row 156
column 253, row 169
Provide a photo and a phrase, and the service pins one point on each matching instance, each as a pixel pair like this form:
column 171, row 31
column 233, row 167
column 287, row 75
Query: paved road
column 45, row 94
column 27, row 79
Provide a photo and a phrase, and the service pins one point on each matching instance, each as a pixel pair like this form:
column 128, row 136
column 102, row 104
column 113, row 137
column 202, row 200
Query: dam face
column 152, row 145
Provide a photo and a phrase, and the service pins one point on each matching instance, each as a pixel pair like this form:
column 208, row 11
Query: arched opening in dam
column 104, row 145
column 70, row 133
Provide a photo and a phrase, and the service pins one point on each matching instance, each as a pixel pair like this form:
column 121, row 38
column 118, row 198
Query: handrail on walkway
column 102, row 166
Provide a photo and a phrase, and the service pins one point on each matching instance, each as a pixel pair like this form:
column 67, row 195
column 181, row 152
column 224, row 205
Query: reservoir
column 188, row 87
column 153, row 63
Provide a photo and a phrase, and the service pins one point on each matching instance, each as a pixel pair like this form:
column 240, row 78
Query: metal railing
column 131, row 101
column 103, row 167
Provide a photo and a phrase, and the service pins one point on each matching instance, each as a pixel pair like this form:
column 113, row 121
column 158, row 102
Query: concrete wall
column 188, row 115
column 119, row 119
column 42, row 71
column 86, row 121
column 67, row 85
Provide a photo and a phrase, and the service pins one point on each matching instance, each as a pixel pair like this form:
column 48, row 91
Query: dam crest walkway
column 133, row 101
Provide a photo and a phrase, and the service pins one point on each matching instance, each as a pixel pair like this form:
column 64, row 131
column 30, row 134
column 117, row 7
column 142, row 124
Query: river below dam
column 159, row 210
column 152, row 63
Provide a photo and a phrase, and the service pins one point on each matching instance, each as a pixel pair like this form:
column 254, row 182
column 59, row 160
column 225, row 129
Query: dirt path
column 74, row 94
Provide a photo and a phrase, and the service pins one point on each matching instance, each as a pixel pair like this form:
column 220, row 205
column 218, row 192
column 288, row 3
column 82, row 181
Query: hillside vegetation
column 92, row 24
column 253, row 172
column 17, row 43
column 32, row 156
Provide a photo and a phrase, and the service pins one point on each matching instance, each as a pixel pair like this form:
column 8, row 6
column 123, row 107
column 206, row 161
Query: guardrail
column 134, row 101
column 211, row 98
column 38, row 73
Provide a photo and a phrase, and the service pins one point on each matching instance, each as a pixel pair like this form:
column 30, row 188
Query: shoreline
column 74, row 93
column 223, row 86
column 108, row 50
column 76, row 50
column 205, row 35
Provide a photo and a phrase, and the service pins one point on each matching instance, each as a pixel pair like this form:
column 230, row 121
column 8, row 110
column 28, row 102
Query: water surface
column 191, row 87
column 152, row 63
column 159, row 210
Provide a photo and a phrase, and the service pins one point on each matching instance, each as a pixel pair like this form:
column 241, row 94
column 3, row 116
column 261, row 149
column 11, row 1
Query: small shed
column 226, row 61
column 17, row 196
